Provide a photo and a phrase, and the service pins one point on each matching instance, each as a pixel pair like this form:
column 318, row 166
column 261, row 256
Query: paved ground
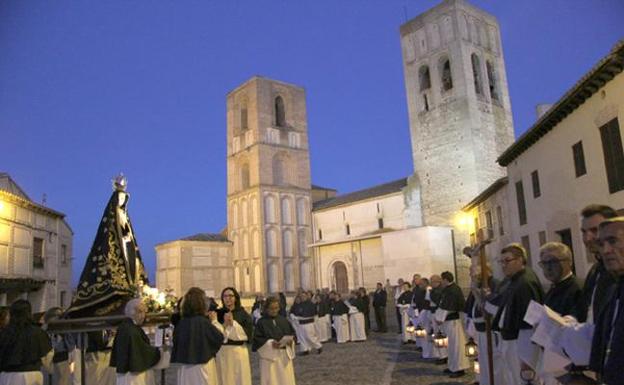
column 381, row 360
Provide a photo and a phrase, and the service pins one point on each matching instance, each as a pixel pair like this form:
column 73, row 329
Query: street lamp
column 420, row 332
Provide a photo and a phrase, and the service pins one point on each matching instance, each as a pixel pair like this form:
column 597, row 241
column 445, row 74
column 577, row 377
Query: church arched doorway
column 341, row 281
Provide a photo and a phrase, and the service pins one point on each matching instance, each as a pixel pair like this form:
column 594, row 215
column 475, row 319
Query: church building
column 286, row 233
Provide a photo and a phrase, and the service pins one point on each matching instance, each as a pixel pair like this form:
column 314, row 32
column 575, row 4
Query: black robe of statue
column 305, row 309
column 195, row 341
column 22, row 351
column 599, row 279
column 338, row 308
column 566, row 298
column 523, row 287
column 132, row 351
column 607, row 353
column 452, row 300
column 110, row 275
column 268, row 328
column 241, row 316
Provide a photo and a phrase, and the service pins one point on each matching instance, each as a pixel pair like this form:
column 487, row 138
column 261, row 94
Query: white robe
column 21, row 378
column 201, row 374
column 357, row 328
column 427, row 347
column 405, row 319
column 484, row 377
column 61, row 374
column 233, row 360
column 438, row 352
column 276, row 367
column 323, row 327
column 457, row 359
column 295, row 324
column 142, row 378
column 341, row 324
column 308, row 339
column 97, row 368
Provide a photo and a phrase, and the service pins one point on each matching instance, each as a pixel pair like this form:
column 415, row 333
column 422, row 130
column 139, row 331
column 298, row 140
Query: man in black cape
column 114, row 269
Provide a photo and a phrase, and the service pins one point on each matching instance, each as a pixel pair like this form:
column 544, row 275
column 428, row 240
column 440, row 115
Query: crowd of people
column 571, row 329
column 559, row 331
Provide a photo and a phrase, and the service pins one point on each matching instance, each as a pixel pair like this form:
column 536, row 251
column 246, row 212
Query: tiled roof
column 375, row 191
column 317, row 187
column 206, row 237
column 605, row 70
column 8, row 184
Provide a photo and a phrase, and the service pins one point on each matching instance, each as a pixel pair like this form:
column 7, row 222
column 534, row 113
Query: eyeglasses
column 551, row 262
column 505, row 261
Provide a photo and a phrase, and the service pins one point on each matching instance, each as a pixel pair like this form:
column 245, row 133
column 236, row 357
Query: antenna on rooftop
column 44, row 199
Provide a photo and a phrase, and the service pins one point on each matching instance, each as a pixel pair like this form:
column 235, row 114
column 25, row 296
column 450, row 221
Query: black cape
column 405, row 298
column 452, row 300
column 418, row 297
column 566, row 298
column 359, row 304
column 324, row 307
column 523, row 287
column 195, row 341
column 271, row 328
column 110, row 277
column 609, row 334
column 435, row 295
column 339, row 308
column 305, row 309
column 132, row 351
column 21, row 349
column 241, row 316
column 599, row 279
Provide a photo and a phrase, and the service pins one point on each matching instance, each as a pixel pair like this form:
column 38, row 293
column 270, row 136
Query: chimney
column 541, row 109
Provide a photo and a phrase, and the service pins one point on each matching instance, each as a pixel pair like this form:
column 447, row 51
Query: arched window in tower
column 244, row 121
column 244, row 175
column 256, row 279
column 424, row 79
column 301, row 212
column 491, row 74
column 289, row 276
column 269, row 209
column 279, row 172
column 302, row 244
column 476, row 74
column 273, row 278
column 271, row 243
column 280, row 112
column 286, row 211
column 306, row 271
column 288, row 243
column 234, row 215
column 447, row 76
column 244, row 213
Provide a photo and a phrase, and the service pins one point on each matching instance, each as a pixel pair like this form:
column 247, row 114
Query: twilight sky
column 92, row 88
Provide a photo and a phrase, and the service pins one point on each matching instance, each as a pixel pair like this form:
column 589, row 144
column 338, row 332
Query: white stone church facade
column 285, row 233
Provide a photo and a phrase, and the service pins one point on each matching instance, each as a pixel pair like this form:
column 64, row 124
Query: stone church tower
column 459, row 110
column 268, row 186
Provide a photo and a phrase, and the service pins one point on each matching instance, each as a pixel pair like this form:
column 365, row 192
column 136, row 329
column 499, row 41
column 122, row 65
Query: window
column 542, row 238
column 380, row 223
column 447, row 77
column 536, row 184
column 613, row 155
column 476, row 74
column 499, row 219
column 579, row 159
column 424, row 78
column 522, row 216
column 491, row 74
column 280, row 113
column 565, row 236
column 37, row 253
column 245, row 176
column 489, row 224
column 526, row 243
column 63, row 255
column 243, row 118
column 286, row 211
column 425, row 103
column 320, row 235
column 348, row 229
column 62, row 299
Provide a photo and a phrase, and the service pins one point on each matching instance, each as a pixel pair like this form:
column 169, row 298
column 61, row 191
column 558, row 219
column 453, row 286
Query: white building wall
column 563, row 195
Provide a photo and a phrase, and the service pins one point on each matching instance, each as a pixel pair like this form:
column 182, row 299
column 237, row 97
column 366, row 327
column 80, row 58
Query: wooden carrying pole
column 485, row 279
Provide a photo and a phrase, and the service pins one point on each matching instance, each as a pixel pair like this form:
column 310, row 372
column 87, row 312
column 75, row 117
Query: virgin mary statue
column 113, row 270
